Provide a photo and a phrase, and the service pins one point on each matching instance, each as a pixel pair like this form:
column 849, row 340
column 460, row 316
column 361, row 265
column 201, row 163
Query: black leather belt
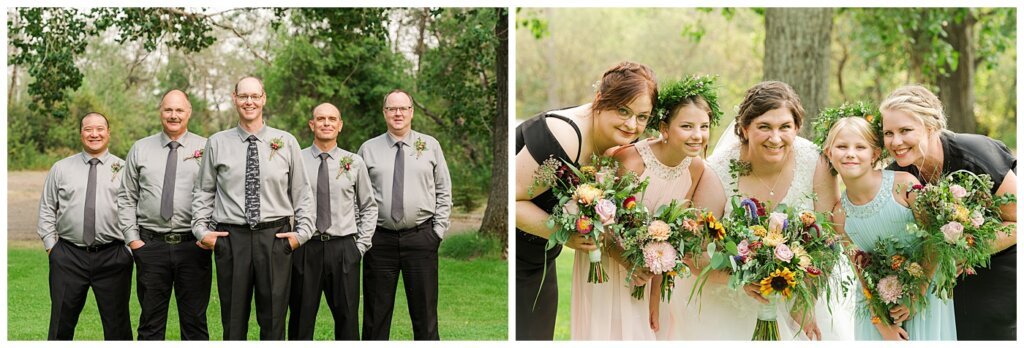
column 94, row 248
column 326, row 237
column 169, row 237
column 260, row 226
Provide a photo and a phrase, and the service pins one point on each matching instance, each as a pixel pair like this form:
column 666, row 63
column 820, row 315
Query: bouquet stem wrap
column 767, row 328
column 597, row 274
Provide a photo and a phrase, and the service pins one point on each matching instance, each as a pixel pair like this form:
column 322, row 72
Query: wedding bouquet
column 591, row 199
column 958, row 218
column 659, row 244
column 783, row 253
column 892, row 275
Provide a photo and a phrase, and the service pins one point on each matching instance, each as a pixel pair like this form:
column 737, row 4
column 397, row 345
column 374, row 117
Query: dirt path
column 24, row 188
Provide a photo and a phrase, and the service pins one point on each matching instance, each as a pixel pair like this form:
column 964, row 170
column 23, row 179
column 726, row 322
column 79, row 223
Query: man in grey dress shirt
column 346, row 215
column 412, row 188
column 78, row 226
column 155, row 215
column 251, row 184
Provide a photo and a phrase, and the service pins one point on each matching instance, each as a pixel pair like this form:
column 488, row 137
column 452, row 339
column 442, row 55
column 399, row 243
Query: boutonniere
column 196, row 155
column 346, row 166
column 275, row 144
column 420, row 147
column 114, row 169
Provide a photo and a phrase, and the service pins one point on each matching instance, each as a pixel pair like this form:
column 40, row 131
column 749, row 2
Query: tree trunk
column 495, row 222
column 796, row 51
column 956, row 90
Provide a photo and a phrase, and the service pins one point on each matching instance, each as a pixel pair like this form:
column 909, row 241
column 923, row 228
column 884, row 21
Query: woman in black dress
column 914, row 132
column 617, row 116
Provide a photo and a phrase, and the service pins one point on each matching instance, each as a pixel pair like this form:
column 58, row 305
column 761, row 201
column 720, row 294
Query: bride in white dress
column 781, row 168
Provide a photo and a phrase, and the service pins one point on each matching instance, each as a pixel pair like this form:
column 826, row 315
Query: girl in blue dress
column 875, row 205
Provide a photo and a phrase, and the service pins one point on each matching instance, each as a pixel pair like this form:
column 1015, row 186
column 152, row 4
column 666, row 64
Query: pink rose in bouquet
column 605, row 209
column 783, row 253
column 952, row 231
column 958, row 191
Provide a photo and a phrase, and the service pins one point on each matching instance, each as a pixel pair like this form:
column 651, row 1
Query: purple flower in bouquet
column 659, row 257
column 952, row 231
column 606, row 210
column 890, row 289
column 958, row 191
column 658, row 231
column 977, row 219
column 783, row 253
column 777, row 222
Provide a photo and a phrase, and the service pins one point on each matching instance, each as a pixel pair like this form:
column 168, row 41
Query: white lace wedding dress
column 726, row 314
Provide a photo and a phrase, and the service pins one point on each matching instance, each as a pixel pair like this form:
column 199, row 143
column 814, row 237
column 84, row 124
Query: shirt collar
column 103, row 157
column 408, row 138
column 334, row 152
column 260, row 135
column 164, row 139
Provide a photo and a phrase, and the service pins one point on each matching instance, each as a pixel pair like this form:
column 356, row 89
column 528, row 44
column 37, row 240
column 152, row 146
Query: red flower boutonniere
column 345, row 168
column 420, row 147
column 114, row 169
column 196, row 155
column 275, row 144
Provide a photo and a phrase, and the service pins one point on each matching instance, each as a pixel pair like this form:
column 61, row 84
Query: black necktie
column 398, row 184
column 252, row 184
column 323, row 196
column 170, row 172
column 89, row 235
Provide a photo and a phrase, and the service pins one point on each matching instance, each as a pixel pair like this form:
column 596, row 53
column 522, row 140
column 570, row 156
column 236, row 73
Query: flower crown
column 829, row 116
column 693, row 85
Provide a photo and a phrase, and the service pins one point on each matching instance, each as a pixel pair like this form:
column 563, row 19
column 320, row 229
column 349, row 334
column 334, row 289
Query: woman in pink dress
column 685, row 112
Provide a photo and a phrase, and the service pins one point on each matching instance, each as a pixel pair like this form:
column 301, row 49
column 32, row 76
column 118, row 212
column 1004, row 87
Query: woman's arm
column 1008, row 212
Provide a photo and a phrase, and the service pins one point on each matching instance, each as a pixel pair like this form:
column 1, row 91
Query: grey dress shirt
column 353, row 208
column 219, row 192
column 428, row 186
column 62, row 204
column 138, row 200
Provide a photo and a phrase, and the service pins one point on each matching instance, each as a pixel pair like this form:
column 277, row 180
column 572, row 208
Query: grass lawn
column 473, row 303
column 564, row 264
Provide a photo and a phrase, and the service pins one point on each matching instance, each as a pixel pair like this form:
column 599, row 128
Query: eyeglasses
column 394, row 109
column 626, row 113
column 251, row 97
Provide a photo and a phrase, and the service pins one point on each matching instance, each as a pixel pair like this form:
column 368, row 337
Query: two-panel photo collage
column 500, row 176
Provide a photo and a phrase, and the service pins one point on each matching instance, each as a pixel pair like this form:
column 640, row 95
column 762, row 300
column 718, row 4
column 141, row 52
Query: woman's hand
column 899, row 314
column 810, row 325
column 892, row 332
column 754, row 291
column 580, row 242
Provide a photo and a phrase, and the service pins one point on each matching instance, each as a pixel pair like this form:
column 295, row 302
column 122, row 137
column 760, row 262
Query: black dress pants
column 107, row 269
column 329, row 267
column 183, row 267
column 413, row 254
column 536, row 302
column 253, row 260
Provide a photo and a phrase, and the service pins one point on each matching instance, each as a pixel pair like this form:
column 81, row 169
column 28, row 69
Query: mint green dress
column 883, row 217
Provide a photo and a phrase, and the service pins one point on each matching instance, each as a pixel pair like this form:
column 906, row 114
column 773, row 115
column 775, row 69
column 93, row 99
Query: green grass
column 564, row 265
column 469, row 246
column 473, row 303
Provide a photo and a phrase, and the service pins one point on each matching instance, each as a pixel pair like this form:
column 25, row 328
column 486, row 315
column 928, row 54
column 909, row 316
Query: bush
column 469, row 246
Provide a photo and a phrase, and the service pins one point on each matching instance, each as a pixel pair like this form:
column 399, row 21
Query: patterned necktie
column 323, row 196
column 398, row 185
column 170, row 172
column 89, row 232
column 252, row 184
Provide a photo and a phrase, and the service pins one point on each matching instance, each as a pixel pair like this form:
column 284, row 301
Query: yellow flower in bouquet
column 774, row 238
column 587, row 194
column 803, row 259
column 759, row 231
column 779, row 281
column 961, row 214
column 658, row 231
column 589, row 170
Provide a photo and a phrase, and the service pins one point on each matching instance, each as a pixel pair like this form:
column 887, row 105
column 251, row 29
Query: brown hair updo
column 767, row 96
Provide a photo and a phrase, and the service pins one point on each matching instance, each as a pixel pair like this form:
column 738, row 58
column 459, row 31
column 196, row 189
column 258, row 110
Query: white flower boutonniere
column 114, row 169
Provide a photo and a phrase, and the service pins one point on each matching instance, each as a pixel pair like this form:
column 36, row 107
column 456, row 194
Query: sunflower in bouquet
column 892, row 275
column 958, row 218
column 783, row 253
column 591, row 198
column 659, row 244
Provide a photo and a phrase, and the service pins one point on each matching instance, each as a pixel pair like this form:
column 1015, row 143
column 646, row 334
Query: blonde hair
column 859, row 126
column 918, row 102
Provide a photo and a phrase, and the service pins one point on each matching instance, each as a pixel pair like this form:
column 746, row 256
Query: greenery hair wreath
column 829, row 116
column 692, row 85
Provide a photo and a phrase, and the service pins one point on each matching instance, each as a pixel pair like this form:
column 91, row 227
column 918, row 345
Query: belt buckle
column 172, row 238
column 92, row 248
column 325, row 237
